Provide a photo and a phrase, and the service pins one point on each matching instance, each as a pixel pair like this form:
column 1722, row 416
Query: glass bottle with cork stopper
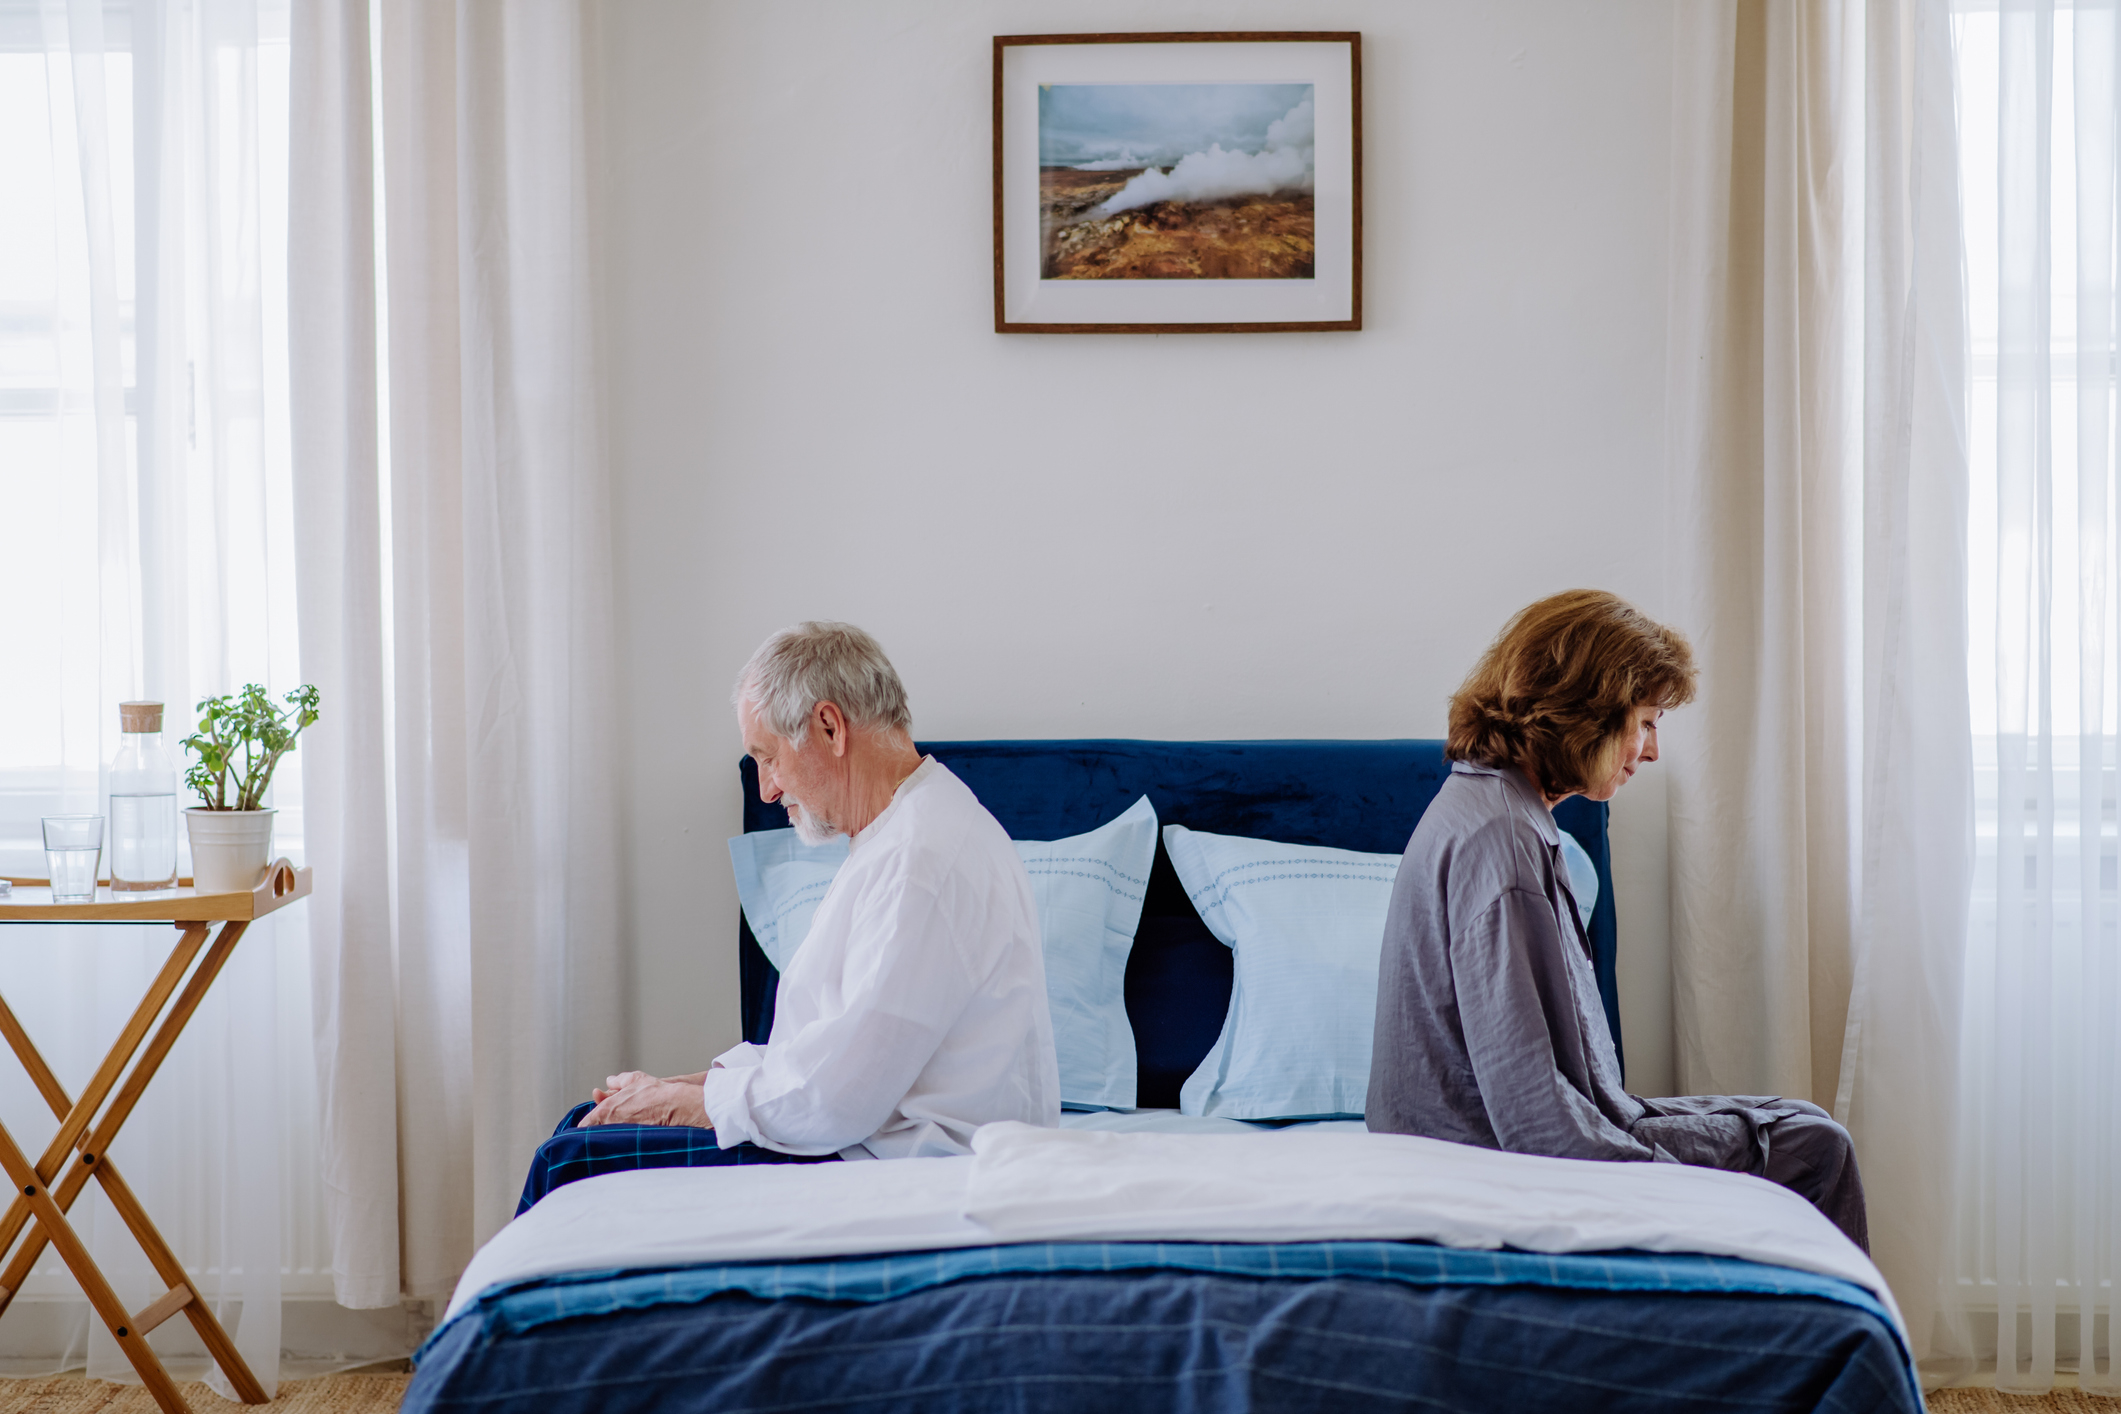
column 143, row 804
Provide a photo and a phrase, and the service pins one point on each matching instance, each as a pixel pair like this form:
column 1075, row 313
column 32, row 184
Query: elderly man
column 916, row 1009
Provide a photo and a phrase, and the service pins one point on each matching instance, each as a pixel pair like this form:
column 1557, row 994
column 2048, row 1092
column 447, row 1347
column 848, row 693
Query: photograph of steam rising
column 1176, row 181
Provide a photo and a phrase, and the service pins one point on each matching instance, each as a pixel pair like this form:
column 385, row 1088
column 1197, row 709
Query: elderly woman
column 1489, row 1027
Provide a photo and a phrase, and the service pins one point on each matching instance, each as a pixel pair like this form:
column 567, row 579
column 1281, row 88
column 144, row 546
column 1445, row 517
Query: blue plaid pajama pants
column 574, row 1153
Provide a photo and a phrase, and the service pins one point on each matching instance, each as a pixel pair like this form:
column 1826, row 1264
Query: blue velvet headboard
column 1361, row 795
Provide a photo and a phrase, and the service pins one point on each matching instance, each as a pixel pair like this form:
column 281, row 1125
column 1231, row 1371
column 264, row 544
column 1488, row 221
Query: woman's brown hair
column 1553, row 692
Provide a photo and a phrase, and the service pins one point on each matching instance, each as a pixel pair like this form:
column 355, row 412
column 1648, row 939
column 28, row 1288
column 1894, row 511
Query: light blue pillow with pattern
column 1307, row 924
column 780, row 881
column 1583, row 877
column 1088, row 889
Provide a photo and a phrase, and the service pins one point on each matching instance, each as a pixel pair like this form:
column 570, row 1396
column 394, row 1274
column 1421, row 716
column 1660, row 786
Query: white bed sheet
column 1103, row 1179
column 1172, row 1122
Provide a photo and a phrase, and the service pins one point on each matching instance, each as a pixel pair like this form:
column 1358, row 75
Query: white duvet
column 1025, row 1184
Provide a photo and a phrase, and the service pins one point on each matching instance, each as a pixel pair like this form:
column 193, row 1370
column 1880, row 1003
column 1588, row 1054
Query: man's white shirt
column 915, row 1010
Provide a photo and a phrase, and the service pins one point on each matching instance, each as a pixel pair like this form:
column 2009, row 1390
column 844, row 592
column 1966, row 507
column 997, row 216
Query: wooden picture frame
column 1143, row 183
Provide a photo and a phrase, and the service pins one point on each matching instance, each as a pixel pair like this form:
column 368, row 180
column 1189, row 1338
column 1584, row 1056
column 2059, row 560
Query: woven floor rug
column 381, row 1394
column 1988, row 1401
column 334, row 1394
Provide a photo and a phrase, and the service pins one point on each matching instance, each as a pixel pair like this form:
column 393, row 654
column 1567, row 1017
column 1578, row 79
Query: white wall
column 1175, row 537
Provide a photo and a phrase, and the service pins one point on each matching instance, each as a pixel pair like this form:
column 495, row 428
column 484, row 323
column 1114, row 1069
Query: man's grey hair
column 817, row 662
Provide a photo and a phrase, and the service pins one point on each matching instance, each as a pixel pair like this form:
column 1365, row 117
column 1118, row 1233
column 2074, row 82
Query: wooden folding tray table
column 88, row 1124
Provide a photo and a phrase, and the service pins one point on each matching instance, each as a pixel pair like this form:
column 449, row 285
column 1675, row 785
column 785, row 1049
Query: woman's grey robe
column 1490, row 1030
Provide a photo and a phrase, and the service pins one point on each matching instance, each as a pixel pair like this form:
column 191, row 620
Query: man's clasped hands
column 636, row 1097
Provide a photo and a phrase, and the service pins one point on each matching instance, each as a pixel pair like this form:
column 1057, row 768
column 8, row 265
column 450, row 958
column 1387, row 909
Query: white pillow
column 1088, row 889
column 1307, row 924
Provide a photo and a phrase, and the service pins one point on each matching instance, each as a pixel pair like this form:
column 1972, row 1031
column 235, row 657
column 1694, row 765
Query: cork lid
column 140, row 716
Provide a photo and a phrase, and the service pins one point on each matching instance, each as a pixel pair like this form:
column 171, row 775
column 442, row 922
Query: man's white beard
column 808, row 828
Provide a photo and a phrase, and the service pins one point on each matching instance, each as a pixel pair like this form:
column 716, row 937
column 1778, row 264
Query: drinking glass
column 73, row 851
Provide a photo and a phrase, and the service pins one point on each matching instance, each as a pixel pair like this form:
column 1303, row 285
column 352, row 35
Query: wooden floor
column 333, row 1394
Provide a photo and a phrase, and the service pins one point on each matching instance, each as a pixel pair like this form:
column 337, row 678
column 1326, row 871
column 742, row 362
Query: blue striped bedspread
column 511, row 1309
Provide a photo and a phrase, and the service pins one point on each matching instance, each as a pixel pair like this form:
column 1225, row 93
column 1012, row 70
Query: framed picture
column 1177, row 183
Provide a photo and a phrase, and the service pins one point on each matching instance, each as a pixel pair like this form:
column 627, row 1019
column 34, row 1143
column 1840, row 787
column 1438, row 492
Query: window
column 2039, row 89
column 146, row 507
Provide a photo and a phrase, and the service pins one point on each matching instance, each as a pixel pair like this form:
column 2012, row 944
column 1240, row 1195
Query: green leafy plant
column 244, row 736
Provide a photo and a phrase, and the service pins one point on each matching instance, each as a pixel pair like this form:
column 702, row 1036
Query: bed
column 1143, row 1260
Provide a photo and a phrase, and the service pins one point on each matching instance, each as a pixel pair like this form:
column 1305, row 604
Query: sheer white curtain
column 2040, row 1223
column 456, row 604
column 1821, row 792
column 143, row 465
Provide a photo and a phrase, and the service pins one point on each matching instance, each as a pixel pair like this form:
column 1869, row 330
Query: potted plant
column 241, row 738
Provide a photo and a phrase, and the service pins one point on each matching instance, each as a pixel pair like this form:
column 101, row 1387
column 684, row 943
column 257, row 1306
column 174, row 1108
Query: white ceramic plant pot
column 229, row 849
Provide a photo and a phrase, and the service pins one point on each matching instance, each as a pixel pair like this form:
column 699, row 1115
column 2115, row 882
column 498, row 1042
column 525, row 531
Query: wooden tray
column 31, row 902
